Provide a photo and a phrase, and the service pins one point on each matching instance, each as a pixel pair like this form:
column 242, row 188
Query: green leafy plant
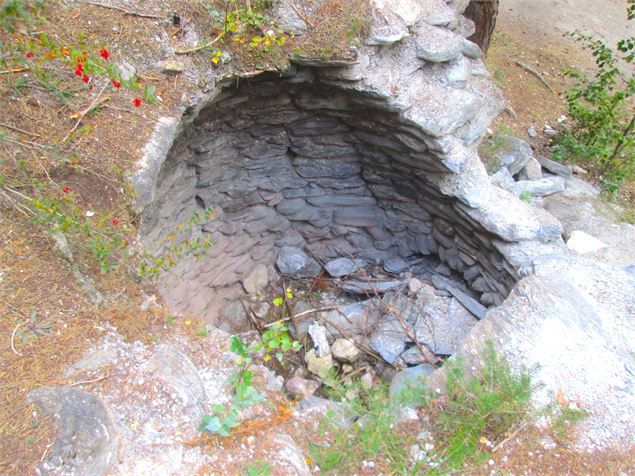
column 179, row 244
column 32, row 329
column 526, row 196
column 602, row 131
column 260, row 468
column 245, row 395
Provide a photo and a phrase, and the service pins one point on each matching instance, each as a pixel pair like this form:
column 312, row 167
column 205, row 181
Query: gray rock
column 345, row 350
column 87, row 439
column 287, row 18
column 513, row 154
column 415, row 356
column 288, row 454
column 300, row 388
column 410, row 379
column 471, row 304
column 92, row 361
column 549, row 131
column 576, row 188
column 396, row 265
column 233, row 318
column 459, row 72
column 554, row 167
column 437, row 44
column 62, row 246
column 171, row 66
column 471, row 50
column 320, row 340
column 315, row 407
column 320, row 366
column 356, row 319
column 257, row 280
column 503, row 179
column 387, row 35
column 340, row 267
column 531, row 132
column 542, row 187
column 369, row 288
column 296, row 263
column 531, row 171
column 178, row 371
column 582, row 243
column 389, row 339
column 569, row 311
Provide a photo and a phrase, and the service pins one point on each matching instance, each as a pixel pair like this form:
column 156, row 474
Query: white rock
column 582, row 243
column 345, row 350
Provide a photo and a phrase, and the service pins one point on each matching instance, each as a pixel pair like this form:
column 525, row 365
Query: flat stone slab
column 370, row 288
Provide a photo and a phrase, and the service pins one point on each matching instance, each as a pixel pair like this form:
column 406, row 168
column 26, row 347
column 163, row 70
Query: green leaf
column 149, row 95
column 211, row 424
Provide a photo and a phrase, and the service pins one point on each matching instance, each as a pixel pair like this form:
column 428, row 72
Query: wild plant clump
column 479, row 409
column 602, row 111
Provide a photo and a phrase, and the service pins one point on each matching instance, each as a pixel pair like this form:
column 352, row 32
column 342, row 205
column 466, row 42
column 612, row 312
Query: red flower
column 80, row 69
column 136, row 102
column 104, row 54
column 85, row 79
column 116, row 84
column 29, row 54
column 66, row 190
column 115, row 222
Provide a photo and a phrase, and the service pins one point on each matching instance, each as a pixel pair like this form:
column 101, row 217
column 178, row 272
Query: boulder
column 582, row 243
column 571, row 320
column 513, row 153
column 296, row 263
column 531, row 171
column 340, row 267
column 541, row 187
column 345, row 350
column 320, row 366
column 300, row 388
column 86, row 440
column 257, row 280
column 409, row 379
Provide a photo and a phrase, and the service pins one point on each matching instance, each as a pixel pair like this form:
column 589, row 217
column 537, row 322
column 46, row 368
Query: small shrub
column 486, row 405
column 372, row 436
column 602, row 132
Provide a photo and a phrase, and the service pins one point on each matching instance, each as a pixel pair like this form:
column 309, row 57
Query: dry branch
column 201, row 47
column 536, row 74
column 126, row 12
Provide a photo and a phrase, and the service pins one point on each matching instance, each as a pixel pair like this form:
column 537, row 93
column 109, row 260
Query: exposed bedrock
column 374, row 160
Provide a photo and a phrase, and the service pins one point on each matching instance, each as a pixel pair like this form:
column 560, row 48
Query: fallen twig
column 82, row 382
column 536, row 74
column 300, row 314
column 86, row 111
column 510, row 437
column 19, row 130
column 201, row 47
column 126, row 12
column 13, row 70
column 12, row 337
column 304, row 19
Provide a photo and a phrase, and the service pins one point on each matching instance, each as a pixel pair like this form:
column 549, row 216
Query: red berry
column 116, row 84
column 104, row 54
column 85, row 79
column 136, row 102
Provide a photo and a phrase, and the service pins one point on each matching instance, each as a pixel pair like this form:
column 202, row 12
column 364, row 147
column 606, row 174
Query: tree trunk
column 483, row 13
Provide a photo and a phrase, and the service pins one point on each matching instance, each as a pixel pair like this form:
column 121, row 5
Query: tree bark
column 483, row 13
